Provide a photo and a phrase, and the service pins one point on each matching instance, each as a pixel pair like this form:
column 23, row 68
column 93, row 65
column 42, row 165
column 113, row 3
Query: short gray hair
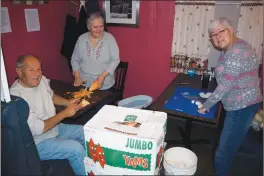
column 93, row 16
column 226, row 22
column 21, row 60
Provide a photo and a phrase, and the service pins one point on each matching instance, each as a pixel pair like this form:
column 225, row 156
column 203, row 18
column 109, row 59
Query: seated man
column 53, row 139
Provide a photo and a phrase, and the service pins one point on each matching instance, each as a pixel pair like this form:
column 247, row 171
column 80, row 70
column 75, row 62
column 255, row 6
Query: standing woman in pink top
column 238, row 89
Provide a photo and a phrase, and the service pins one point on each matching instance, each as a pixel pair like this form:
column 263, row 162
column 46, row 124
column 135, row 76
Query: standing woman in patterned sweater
column 238, row 89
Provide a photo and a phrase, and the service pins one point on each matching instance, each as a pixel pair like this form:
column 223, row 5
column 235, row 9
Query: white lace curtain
column 190, row 33
column 250, row 25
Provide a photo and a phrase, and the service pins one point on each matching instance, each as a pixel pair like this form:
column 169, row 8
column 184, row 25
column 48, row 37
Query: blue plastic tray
column 138, row 102
column 177, row 102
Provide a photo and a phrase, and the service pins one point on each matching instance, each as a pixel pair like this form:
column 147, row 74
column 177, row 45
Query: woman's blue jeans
column 236, row 126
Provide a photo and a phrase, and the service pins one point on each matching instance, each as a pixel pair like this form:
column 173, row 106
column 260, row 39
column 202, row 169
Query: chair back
column 19, row 151
column 120, row 77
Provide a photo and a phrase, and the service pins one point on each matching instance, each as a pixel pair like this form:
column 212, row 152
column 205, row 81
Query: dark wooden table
column 194, row 82
column 97, row 99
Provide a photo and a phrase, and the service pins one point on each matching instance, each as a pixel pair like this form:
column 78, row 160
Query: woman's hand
column 100, row 80
column 78, row 82
column 202, row 110
column 77, row 79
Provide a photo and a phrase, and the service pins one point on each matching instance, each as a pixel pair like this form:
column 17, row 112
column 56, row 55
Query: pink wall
column 148, row 49
column 45, row 43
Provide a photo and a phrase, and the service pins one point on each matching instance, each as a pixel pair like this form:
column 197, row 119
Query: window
column 250, row 25
column 190, row 47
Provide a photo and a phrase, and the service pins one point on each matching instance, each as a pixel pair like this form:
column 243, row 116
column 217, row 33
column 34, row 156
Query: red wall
column 147, row 48
column 45, row 43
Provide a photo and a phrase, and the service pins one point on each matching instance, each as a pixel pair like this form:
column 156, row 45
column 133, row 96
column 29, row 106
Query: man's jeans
column 235, row 129
column 69, row 144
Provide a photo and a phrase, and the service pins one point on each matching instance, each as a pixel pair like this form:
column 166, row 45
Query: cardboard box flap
column 137, row 122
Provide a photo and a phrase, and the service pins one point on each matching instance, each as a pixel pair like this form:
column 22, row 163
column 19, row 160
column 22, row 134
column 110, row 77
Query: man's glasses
column 218, row 33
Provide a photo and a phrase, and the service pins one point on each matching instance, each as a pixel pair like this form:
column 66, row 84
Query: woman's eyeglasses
column 218, row 33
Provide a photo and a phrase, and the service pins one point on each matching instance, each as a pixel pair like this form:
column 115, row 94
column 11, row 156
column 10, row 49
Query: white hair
column 225, row 22
column 93, row 16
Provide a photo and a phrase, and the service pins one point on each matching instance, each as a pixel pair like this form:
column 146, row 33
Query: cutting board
column 179, row 102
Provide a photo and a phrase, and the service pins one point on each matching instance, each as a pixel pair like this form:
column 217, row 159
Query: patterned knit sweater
column 237, row 77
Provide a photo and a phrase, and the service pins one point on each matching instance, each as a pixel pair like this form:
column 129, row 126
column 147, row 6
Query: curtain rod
column 74, row 3
column 180, row 2
column 243, row 3
column 210, row 3
column 227, row 3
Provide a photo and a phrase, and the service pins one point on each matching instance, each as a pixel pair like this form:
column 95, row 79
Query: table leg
column 186, row 133
column 186, row 137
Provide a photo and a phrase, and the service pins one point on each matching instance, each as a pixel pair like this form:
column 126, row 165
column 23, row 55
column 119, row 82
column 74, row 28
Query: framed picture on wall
column 121, row 12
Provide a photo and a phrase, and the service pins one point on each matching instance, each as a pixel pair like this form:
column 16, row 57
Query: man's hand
column 74, row 100
column 61, row 101
column 71, row 110
column 202, row 110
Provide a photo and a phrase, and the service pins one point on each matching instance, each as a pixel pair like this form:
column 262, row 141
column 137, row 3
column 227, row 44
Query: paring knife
column 195, row 98
column 182, row 83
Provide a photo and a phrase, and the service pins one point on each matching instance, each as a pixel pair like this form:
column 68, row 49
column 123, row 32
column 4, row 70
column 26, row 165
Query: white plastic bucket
column 180, row 161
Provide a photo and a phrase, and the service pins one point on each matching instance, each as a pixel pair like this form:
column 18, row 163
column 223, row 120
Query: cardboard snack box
column 125, row 141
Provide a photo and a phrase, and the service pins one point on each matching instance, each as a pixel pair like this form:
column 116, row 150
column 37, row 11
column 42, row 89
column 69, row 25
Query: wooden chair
column 120, row 77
